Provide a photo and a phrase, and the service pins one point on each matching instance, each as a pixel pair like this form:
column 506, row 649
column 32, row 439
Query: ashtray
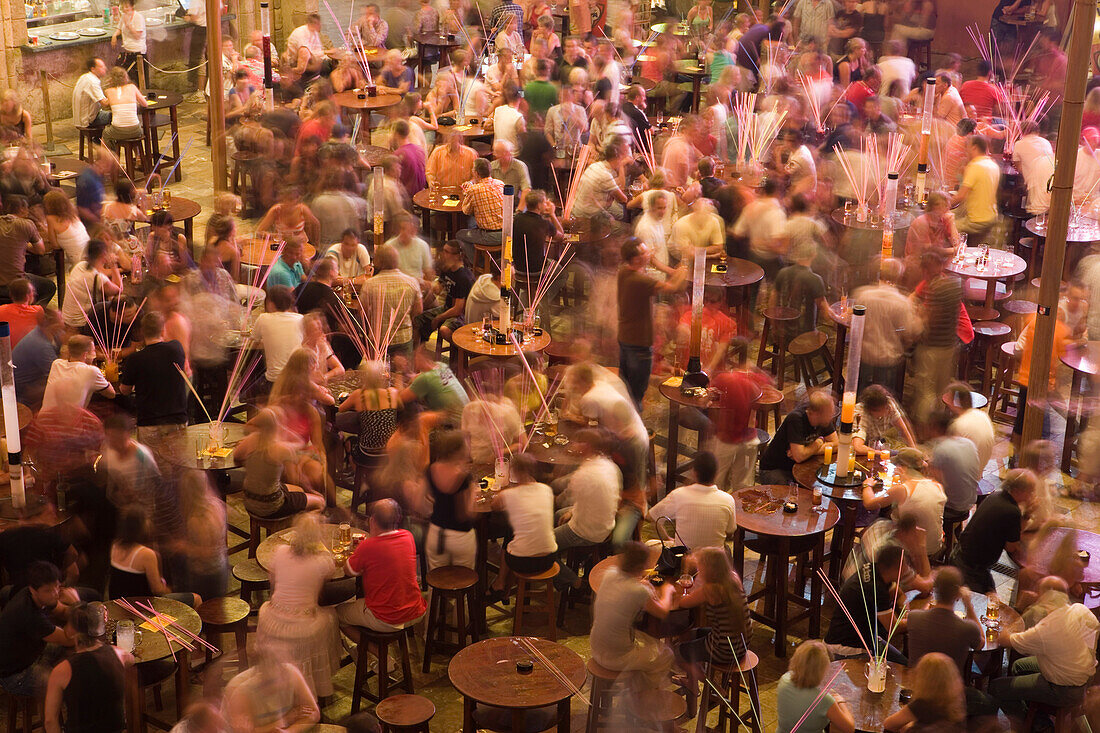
column 483, row 483
column 536, row 331
column 525, row 666
column 560, row 439
column 790, row 507
column 1084, row 556
column 721, row 268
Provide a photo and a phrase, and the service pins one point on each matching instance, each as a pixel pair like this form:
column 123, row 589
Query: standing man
column 90, row 107
column 995, row 527
column 890, row 327
column 196, row 16
column 934, row 358
column 811, row 21
column 978, row 191
column 152, row 375
column 636, row 289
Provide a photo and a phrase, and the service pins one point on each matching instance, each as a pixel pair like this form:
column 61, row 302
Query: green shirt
column 540, row 95
column 439, row 389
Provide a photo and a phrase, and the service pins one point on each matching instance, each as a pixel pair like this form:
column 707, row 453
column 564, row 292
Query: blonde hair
column 116, row 77
column 294, row 379
column 809, row 663
column 936, row 681
column 306, row 537
column 1092, row 100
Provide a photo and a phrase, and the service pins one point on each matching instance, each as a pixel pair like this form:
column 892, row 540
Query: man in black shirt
column 30, row 640
column 455, row 281
column 994, row 528
column 317, row 294
column 866, row 594
column 152, row 375
column 636, row 118
column 803, row 434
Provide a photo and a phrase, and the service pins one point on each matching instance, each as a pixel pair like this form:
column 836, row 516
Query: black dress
column 94, row 698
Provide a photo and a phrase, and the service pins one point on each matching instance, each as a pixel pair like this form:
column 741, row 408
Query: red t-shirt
column 857, row 94
column 22, row 318
column 737, row 393
column 388, row 566
column 983, row 95
column 315, row 127
column 717, row 328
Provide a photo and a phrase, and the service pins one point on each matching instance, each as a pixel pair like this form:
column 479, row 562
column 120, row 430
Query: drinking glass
column 127, row 638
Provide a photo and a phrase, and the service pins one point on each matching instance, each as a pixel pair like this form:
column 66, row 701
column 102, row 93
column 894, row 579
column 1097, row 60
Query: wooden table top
column 580, row 231
column 266, row 550
column 808, row 520
column 1083, row 358
column 1042, row 552
column 436, row 40
column 154, row 645
column 1001, row 265
column 163, row 100
column 738, row 274
column 806, row 476
column 670, row 388
column 1083, row 231
column 351, row 100
column 870, row 709
column 1010, row 620
column 468, row 338
column 258, row 253
column 25, row 415
column 600, row 569
column 902, row 220
column 183, row 209
column 468, row 129
column 434, row 200
column 198, row 438
column 551, row 451
column 65, row 169
column 486, row 673
column 373, row 154
column 690, row 67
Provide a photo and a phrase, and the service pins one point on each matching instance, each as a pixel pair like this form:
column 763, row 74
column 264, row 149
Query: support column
column 216, row 109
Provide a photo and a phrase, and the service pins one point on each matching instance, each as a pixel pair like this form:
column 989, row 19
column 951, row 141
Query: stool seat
column 750, row 662
column 658, row 706
column 781, row 313
column 975, row 289
column 1019, row 307
column 405, row 711
column 525, row 605
column 250, row 571
column 223, row 612
column 1008, row 348
column 991, row 329
column 981, row 313
column 807, row 343
column 452, row 577
column 545, row 575
column 598, row 670
column 769, row 396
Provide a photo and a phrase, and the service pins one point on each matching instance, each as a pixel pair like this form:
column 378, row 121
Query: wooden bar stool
column 920, row 51
column 92, row 136
column 1017, row 313
column 805, row 348
column 1006, row 390
column 980, row 312
column 451, row 585
column 226, row 615
column 258, row 524
column 658, row 709
column 133, row 152
column 773, row 346
column 26, row 705
column 381, row 641
column 405, row 713
column 731, row 681
column 768, row 403
column 253, row 579
column 988, row 336
column 601, row 697
column 528, row 586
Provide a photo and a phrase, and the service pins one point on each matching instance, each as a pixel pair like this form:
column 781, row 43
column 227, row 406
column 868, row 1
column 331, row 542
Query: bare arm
column 59, row 679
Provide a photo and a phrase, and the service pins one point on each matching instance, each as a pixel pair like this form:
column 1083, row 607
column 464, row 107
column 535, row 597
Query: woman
column 221, row 234
column 91, row 281
column 266, row 460
column 123, row 98
column 422, row 120
column 119, row 215
column 16, row 125
column 135, row 567
column 290, row 218
column 854, row 64
column 801, row 702
column 324, row 363
column 510, row 37
column 64, row 229
column 375, row 405
column 938, row 703
column 270, row 696
column 451, row 538
column 162, row 239
column 916, row 21
column 91, row 683
column 296, row 394
column 724, row 639
column 653, row 227
column 530, row 508
column 347, row 75
column 291, row 623
column 701, row 18
column 1091, row 115
column 207, row 561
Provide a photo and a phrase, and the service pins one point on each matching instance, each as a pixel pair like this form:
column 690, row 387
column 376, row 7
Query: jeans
column 736, row 463
column 1027, row 684
column 31, row 682
column 567, row 538
column 886, row 376
column 933, row 369
column 626, row 521
column 635, row 366
column 422, row 323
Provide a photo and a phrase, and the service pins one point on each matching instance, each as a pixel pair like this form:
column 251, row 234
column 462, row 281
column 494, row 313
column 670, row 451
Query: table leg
column 843, row 535
column 175, row 142
column 672, row 452
column 133, row 700
column 189, row 229
column 366, row 126
column 816, row 561
column 481, row 562
column 781, row 586
column 468, row 715
column 59, row 273
column 183, row 687
column 739, row 552
column 838, row 360
column 990, row 293
column 1072, row 406
column 563, row 716
column 696, row 84
column 517, row 721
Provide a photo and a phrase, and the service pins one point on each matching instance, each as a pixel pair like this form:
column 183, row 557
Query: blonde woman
column 376, row 405
column 296, row 395
column 15, row 121
column 123, row 97
column 938, row 702
column 291, row 623
column 64, row 230
column 266, row 461
column 800, row 688
column 724, row 638
column 324, row 364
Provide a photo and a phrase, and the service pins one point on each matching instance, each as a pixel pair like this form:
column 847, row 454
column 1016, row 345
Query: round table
column 485, row 672
column 738, row 276
column 190, row 450
column 436, row 199
column 434, row 41
column 342, row 386
column 1001, row 266
column 902, row 220
column 1041, row 554
column 65, row 169
column 364, row 105
column 848, row 499
column 468, row 340
column 468, row 130
column 781, row 534
column 870, row 709
column 329, row 534
column 185, row 210
column 372, row 154
column 691, row 68
column 258, row 252
column 160, row 100
column 1084, row 361
column 1081, row 231
column 549, row 452
column 671, row 391
column 154, row 644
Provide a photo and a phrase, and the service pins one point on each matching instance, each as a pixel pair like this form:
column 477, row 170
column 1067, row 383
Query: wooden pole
column 46, row 114
column 216, row 106
column 1061, row 199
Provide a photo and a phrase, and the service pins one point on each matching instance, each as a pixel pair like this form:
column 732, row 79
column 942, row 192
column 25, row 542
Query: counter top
column 154, row 18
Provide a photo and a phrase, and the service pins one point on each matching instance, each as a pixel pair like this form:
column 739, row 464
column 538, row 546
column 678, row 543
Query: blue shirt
column 284, row 274
column 89, row 190
column 32, row 357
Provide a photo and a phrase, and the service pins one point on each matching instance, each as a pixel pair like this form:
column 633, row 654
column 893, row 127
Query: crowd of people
column 339, row 357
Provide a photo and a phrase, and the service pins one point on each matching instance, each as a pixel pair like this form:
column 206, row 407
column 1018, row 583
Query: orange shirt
column 1024, row 346
column 23, row 319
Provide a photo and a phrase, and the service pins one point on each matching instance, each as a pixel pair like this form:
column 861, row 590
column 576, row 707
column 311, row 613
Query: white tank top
column 124, row 114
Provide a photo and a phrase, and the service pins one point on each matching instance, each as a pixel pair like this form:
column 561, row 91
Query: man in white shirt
column 196, row 16
column 600, row 186
column 705, row 516
column 970, row 423
column 591, row 501
column 278, row 331
column 597, row 401
column 1063, row 658
column 305, row 48
column 764, row 222
column 90, row 107
column 948, row 101
column 72, row 381
column 896, row 66
column 1034, row 157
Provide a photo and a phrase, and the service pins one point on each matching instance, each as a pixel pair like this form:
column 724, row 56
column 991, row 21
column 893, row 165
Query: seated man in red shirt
column 21, row 312
column 387, row 561
column 981, row 94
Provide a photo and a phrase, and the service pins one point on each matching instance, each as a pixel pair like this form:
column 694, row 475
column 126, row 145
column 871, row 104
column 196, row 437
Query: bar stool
column 731, row 680
column 405, row 713
column 93, row 136
column 134, row 153
column 805, row 348
column 988, row 335
column 920, row 51
column 1005, row 403
column 241, row 178
column 656, row 709
column 528, row 586
column 28, row 705
column 768, row 404
column 451, row 584
column 486, row 244
column 381, row 641
column 1063, row 717
column 253, row 579
column 1017, row 311
column 226, row 615
column 258, row 524
column 601, row 697
column 980, row 312
column 773, row 347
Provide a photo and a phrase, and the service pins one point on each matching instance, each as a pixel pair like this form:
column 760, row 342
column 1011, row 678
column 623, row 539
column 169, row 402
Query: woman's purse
column 670, row 562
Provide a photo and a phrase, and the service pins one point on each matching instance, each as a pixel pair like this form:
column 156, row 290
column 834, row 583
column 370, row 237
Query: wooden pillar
column 216, row 110
column 47, row 117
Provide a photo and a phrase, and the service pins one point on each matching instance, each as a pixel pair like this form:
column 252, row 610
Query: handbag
column 670, row 562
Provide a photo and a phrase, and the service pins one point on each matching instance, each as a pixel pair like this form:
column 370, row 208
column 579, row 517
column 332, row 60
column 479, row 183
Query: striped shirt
column 728, row 634
column 389, row 296
column 941, row 299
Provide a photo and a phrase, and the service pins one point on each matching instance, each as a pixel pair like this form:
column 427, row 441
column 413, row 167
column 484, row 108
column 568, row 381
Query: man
column 196, row 15
column 351, row 257
column 454, row 283
column 879, row 418
column 934, row 358
column 499, row 13
column 74, row 380
column 978, row 191
column 896, row 66
column 1049, row 66
column 811, row 20
column 436, row 388
column 699, row 232
column 949, row 105
column 33, row 540
column 317, row 294
column 337, row 210
column 602, row 183
column 736, row 444
column 540, row 92
column 485, row 297
column 912, row 493
column 874, row 121
column 289, row 270
column 748, row 49
column 681, row 155
column 452, row 164
column 970, row 422
column 904, row 532
column 33, row 357
column 1063, row 658
column 90, row 107
column 994, row 528
column 1034, row 158
column 154, row 376
column 278, row 330
column 533, row 226
column 955, row 464
column 938, row 629
column 764, row 223
column 386, row 561
column 483, row 198
column 509, row 171
column 414, row 177
column 803, row 434
column 391, row 296
column 847, row 23
column 800, row 288
column 566, row 122
column 590, row 500
column 980, row 93
column 636, row 117
column 890, row 327
column 636, row 290
column 18, row 236
column 31, row 641
column 705, row 515
column 573, row 57
column 305, row 49
column 864, row 600
column 414, row 254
